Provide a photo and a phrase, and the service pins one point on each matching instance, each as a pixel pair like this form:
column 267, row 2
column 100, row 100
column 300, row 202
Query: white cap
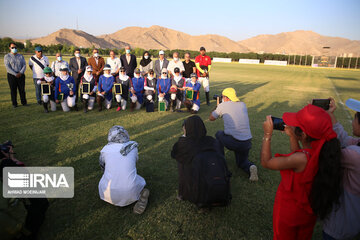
column 353, row 104
column 89, row 68
column 64, row 67
column 161, row 52
column 164, row 70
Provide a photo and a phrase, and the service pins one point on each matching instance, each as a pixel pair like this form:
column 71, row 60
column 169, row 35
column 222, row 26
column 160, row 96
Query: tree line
column 66, row 49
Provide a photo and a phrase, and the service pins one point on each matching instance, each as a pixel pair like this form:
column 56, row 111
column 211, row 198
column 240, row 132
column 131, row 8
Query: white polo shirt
column 172, row 65
column 38, row 72
column 114, row 63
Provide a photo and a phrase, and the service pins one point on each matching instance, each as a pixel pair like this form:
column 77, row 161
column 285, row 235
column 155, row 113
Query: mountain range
column 157, row 37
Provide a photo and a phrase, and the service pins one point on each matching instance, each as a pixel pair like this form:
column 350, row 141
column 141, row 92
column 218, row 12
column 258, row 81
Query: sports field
column 75, row 139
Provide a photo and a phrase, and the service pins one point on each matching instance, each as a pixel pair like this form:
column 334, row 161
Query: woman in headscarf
column 124, row 80
column 89, row 99
column 310, row 175
column 146, row 64
column 184, row 150
column 120, row 185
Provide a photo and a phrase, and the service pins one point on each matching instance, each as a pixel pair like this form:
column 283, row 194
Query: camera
column 215, row 97
column 5, row 147
column 278, row 123
column 323, row 103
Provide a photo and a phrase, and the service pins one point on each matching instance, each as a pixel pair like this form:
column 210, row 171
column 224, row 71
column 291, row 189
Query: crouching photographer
column 236, row 135
column 19, row 221
column 310, row 175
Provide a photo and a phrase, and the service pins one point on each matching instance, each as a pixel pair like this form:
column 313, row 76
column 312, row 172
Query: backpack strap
column 37, row 62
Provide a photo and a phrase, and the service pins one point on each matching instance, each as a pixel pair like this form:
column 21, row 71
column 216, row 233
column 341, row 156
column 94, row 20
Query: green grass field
column 75, row 139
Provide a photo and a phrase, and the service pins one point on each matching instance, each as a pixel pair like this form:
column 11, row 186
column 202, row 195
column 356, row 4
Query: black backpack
column 211, row 180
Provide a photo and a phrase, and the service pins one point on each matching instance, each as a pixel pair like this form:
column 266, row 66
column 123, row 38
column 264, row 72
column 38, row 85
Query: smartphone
column 323, row 103
column 278, row 123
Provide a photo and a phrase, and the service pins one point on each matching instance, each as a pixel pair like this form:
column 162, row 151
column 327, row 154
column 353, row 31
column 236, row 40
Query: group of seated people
column 143, row 90
column 319, row 178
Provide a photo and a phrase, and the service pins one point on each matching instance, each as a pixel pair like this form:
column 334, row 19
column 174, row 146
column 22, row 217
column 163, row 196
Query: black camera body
column 278, row 123
column 215, row 97
column 5, row 147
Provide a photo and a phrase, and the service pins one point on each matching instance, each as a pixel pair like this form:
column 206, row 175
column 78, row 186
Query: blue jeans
column 241, row 149
column 37, row 89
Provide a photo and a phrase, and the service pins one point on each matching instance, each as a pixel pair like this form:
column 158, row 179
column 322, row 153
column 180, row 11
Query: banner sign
column 215, row 59
column 275, row 62
column 249, row 61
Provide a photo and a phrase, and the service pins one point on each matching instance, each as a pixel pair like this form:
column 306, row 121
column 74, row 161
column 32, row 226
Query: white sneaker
column 253, row 173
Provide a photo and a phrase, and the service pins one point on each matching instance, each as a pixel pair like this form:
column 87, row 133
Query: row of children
column 171, row 92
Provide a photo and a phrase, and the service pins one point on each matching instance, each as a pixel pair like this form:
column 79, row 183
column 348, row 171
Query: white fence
column 275, row 62
column 215, row 59
column 249, row 61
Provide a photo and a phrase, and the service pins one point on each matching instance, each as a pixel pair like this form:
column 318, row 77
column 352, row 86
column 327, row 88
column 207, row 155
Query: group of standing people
column 164, row 80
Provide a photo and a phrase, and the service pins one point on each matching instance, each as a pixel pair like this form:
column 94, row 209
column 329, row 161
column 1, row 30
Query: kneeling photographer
column 14, row 221
column 236, row 135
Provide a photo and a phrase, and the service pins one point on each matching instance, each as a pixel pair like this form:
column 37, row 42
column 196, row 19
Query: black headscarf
column 187, row 147
column 144, row 62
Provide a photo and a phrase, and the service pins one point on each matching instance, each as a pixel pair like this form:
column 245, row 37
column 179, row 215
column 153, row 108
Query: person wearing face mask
column 15, row 66
column 115, row 64
column 65, row 89
column 124, row 80
column 97, row 63
column 193, row 105
column 55, row 65
column 161, row 63
column 136, row 90
column 105, row 86
column 163, row 87
column 178, row 84
column 203, row 65
column 146, row 64
column 128, row 61
column 49, row 79
column 37, row 63
column 77, row 66
column 89, row 99
column 149, row 87
column 175, row 62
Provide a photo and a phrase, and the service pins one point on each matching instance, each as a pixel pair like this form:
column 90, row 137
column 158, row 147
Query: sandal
column 141, row 204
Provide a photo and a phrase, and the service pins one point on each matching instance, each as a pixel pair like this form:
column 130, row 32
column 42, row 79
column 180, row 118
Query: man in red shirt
column 203, row 66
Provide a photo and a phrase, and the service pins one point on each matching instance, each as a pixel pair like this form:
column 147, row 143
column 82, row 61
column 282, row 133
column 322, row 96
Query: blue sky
column 237, row 20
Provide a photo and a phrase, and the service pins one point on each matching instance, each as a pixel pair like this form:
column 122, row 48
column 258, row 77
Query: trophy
column 70, row 86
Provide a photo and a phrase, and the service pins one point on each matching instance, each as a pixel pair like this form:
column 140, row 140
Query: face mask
column 59, row 59
column 176, row 59
column 150, row 77
column 77, row 54
column 146, row 57
column 127, row 51
column 96, row 55
column 137, row 75
column 14, row 50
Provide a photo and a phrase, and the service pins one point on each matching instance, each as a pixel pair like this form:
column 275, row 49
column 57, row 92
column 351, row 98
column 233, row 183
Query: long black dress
column 185, row 149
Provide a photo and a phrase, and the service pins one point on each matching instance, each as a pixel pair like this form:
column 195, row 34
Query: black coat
column 74, row 67
column 129, row 67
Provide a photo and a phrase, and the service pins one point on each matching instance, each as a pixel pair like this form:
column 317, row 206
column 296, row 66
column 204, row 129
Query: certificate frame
column 162, row 106
column 45, row 89
column 117, row 88
column 85, row 88
column 60, row 97
column 189, row 94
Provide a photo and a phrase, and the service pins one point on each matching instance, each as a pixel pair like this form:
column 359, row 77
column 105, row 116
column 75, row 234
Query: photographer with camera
column 310, row 175
column 236, row 135
column 14, row 222
column 344, row 220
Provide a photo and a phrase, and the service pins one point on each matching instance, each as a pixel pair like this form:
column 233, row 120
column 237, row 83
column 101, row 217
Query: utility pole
column 349, row 63
column 305, row 59
column 300, row 59
column 356, row 63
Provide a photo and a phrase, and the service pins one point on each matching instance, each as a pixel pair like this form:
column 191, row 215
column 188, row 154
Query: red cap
column 313, row 120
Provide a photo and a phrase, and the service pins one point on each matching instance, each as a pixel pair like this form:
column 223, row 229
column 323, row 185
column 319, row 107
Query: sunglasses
column 164, row 73
column 13, row 47
column 151, row 73
column 122, row 71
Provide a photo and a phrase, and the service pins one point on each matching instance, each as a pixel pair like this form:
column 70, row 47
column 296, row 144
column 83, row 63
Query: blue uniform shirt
column 61, row 86
column 105, row 85
column 196, row 87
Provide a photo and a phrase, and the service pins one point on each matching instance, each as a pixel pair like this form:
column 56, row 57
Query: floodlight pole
column 356, row 63
column 349, row 63
column 305, row 59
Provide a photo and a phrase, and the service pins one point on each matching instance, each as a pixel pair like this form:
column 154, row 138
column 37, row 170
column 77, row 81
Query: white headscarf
column 88, row 77
column 64, row 77
column 49, row 79
column 177, row 78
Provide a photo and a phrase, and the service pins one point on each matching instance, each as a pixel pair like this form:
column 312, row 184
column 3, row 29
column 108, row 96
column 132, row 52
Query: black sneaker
column 15, row 106
column 46, row 111
column 39, row 102
column 208, row 103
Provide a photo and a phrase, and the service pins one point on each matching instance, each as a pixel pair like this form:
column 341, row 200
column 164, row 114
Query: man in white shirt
column 175, row 63
column 37, row 63
column 115, row 64
column 55, row 65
